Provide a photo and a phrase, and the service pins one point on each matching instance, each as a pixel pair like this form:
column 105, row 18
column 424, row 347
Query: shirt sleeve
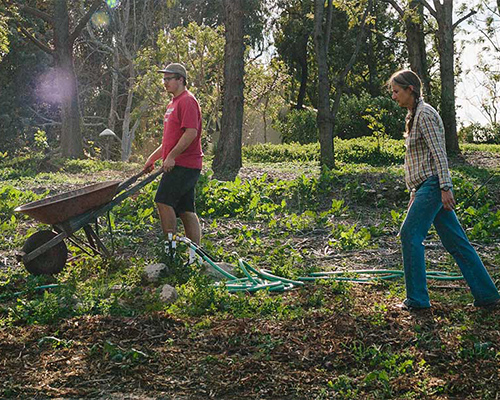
column 433, row 135
column 189, row 114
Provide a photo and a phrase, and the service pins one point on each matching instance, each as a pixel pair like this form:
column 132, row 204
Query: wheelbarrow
column 44, row 252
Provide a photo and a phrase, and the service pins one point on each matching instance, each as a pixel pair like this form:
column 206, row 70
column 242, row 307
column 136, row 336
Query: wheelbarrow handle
column 132, row 179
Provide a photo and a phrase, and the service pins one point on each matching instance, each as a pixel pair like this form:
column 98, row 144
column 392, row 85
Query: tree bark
column 304, row 71
column 227, row 160
column 443, row 13
column 416, row 45
column 71, row 133
column 446, row 51
column 324, row 117
column 415, row 39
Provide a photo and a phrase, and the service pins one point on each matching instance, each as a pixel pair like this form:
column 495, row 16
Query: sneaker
column 405, row 306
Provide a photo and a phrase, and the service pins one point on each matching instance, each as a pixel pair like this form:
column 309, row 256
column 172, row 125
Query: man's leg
column 192, row 226
column 168, row 218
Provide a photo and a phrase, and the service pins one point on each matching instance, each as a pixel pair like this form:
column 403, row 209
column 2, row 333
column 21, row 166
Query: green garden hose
column 261, row 279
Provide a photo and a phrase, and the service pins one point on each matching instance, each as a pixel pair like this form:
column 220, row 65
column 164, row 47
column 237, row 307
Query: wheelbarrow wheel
column 51, row 261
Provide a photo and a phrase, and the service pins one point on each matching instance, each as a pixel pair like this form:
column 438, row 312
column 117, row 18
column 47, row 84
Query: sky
column 469, row 90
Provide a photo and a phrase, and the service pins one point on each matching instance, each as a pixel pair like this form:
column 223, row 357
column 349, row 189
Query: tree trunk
column 304, row 71
column 227, row 160
column 324, row 118
column 113, row 107
column 415, row 42
column 372, row 68
column 71, row 133
column 446, row 51
column 127, row 137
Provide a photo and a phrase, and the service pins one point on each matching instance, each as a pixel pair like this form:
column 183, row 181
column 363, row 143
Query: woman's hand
column 448, row 200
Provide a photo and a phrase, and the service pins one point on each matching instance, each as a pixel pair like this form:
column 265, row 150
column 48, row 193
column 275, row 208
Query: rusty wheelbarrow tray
column 45, row 251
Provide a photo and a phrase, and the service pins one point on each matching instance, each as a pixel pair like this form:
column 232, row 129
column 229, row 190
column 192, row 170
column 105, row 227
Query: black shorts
column 176, row 189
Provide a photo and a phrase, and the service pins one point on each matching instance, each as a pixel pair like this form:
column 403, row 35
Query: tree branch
column 329, row 24
column 428, row 6
column 85, row 19
column 34, row 40
column 471, row 13
column 396, row 6
column 359, row 41
column 37, row 13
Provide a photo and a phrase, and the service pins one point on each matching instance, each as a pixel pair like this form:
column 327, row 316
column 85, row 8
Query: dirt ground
column 359, row 344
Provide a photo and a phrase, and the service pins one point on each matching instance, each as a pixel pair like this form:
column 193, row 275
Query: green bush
column 476, row 133
column 351, row 119
column 298, row 126
column 362, row 150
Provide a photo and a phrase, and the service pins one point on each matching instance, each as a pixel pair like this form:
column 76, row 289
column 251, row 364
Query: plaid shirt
column 426, row 149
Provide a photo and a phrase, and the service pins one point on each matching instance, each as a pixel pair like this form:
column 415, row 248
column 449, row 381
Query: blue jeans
column 428, row 209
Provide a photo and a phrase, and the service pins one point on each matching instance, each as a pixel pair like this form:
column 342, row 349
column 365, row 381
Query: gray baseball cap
column 175, row 68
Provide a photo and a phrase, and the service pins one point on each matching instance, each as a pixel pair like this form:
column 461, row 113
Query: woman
column 431, row 201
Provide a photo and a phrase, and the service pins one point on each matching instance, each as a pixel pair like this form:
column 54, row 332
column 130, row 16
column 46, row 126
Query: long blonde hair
column 406, row 78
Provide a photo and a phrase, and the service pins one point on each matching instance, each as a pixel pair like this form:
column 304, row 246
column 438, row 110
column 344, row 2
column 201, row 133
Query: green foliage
column 483, row 223
column 348, row 238
column 122, row 355
column 201, row 49
column 246, row 199
column 41, row 143
column 200, row 297
column 477, row 133
column 4, row 38
column 298, row 126
column 362, row 150
column 288, row 152
column 10, row 198
column 357, row 116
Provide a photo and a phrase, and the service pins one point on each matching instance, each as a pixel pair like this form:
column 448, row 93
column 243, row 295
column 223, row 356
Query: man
column 181, row 154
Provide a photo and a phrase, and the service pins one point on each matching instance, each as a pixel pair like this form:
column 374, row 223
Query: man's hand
column 168, row 164
column 149, row 166
column 448, row 200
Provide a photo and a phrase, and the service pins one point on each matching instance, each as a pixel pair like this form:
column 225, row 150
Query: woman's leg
column 456, row 242
column 419, row 219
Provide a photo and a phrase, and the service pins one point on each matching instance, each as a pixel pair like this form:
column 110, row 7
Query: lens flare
column 100, row 19
column 54, row 86
column 112, row 3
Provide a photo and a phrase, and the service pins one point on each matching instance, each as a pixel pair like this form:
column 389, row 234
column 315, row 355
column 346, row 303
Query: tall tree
column 413, row 17
column 326, row 115
column 443, row 14
column 59, row 44
column 292, row 41
column 227, row 160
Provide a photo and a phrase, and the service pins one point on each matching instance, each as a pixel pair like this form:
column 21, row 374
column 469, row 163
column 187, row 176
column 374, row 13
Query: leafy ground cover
column 104, row 333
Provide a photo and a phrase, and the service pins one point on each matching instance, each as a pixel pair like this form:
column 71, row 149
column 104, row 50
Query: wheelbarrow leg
column 92, row 237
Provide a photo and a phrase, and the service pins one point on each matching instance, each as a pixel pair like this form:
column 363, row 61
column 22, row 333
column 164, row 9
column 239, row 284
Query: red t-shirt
column 183, row 112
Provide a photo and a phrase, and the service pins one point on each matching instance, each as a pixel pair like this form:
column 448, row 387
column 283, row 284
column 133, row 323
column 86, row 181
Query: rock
column 168, row 294
column 154, row 272
column 216, row 275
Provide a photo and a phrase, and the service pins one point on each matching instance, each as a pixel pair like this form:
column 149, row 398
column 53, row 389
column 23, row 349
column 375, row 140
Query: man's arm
column 186, row 139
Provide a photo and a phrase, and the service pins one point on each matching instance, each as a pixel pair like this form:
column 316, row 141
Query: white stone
column 168, row 294
column 216, row 275
column 153, row 272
